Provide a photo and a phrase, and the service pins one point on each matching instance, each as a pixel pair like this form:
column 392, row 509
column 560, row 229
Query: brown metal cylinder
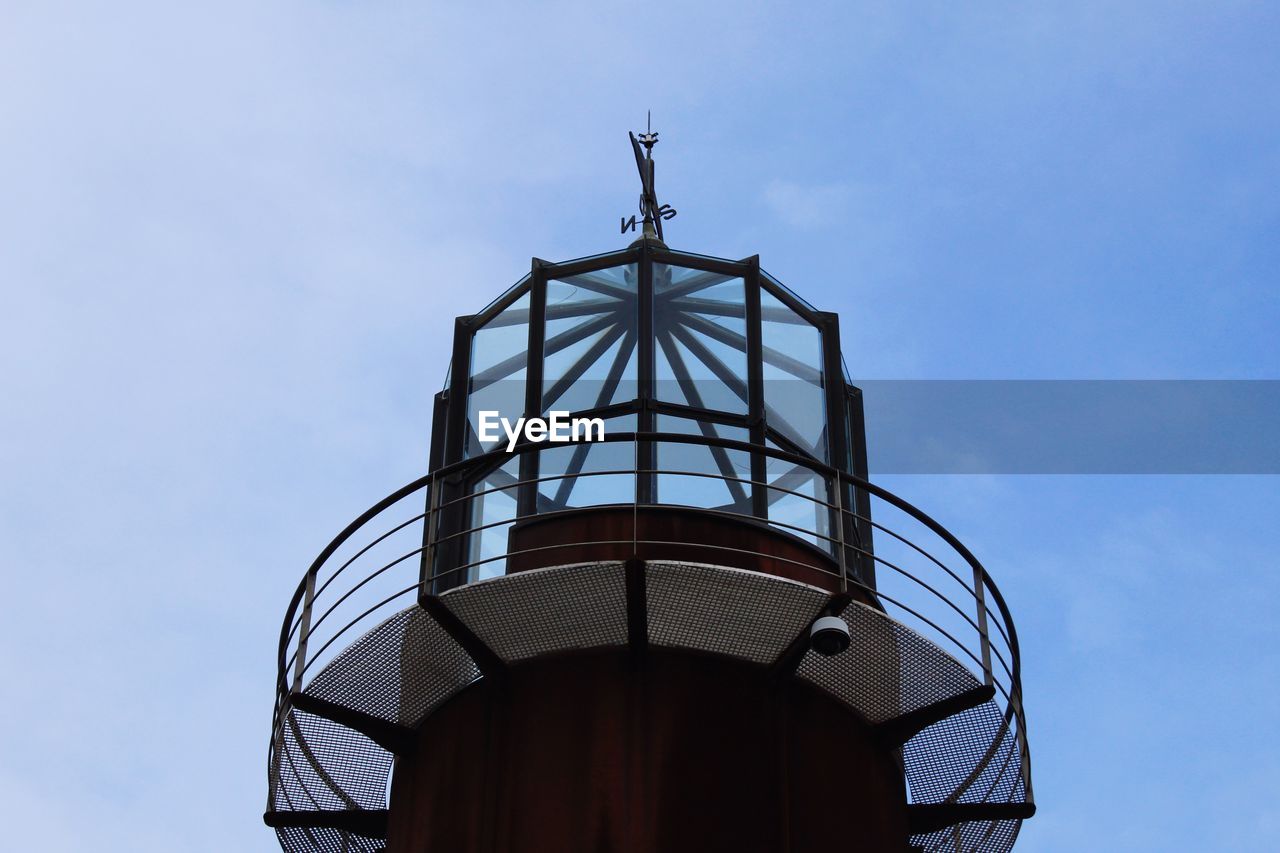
column 667, row 533
column 670, row 752
column 649, row 750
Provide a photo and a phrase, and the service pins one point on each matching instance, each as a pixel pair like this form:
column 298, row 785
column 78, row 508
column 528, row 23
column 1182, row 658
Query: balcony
column 446, row 582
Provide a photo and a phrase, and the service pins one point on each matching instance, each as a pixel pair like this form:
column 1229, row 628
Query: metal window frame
column 844, row 434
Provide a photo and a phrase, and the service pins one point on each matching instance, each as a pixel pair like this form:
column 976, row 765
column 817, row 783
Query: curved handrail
column 296, row 621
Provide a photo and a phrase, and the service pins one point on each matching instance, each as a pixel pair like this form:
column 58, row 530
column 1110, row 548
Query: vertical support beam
column 646, row 365
column 833, row 388
column 459, row 388
column 755, row 389
column 833, row 391
column 861, row 498
column 439, row 428
column 453, row 517
column 527, row 494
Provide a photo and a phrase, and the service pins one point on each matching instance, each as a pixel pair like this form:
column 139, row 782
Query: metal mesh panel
column 977, row 836
column 888, row 670
column 982, row 758
column 400, row 671
column 543, row 611
column 976, row 752
column 324, row 765
column 327, row 841
column 727, row 611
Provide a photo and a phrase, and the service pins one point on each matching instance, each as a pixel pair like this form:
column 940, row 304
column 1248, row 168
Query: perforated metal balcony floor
column 336, row 741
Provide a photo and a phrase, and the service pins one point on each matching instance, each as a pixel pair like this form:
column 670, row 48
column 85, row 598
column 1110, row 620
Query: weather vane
column 652, row 212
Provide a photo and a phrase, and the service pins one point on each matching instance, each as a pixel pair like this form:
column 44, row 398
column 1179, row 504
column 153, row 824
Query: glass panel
column 793, row 398
column 589, row 358
column 700, row 350
column 721, row 490
column 794, row 494
column 499, row 356
column 495, row 507
column 578, row 470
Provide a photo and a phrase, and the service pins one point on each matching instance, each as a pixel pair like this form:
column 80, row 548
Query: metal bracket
column 894, row 733
column 371, row 823
column 486, row 660
column 924, row 818
column 637, row 608
column 394, row 738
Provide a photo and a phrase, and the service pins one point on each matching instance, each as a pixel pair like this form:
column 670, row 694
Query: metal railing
column 395, row 550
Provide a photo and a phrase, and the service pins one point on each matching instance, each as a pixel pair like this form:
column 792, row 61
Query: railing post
column 304, row 631
column 429, row 551
column 838, row 488
column 980, row 596
column 635, row 499
column 1024, row 749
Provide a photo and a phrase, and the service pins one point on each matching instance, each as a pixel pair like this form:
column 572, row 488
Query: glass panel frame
column 690, row 344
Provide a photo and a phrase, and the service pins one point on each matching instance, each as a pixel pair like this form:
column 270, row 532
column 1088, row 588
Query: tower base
column 670, row 752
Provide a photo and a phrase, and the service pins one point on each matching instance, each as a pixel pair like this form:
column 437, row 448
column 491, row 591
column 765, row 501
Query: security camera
column 829, row 636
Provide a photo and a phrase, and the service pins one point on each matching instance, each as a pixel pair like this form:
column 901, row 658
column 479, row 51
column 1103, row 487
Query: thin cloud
column 806, row 206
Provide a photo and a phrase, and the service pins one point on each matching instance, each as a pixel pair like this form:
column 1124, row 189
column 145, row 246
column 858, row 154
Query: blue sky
column 233, row 235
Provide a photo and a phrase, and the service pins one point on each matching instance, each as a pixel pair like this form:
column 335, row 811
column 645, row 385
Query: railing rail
column 907, row 594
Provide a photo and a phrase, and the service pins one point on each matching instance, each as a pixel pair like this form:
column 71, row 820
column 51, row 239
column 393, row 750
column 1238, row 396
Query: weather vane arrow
column 651, row 211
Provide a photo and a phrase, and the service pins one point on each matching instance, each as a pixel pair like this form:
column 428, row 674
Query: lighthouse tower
column 645, row 598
